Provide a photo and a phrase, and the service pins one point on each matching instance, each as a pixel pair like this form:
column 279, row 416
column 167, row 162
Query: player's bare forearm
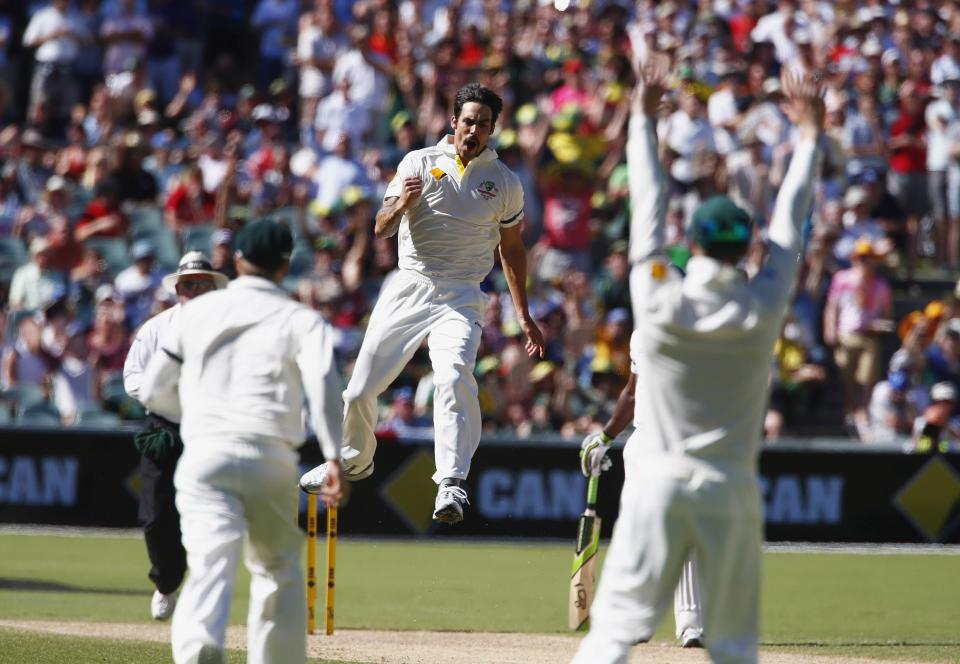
column 391, row 214
column 515, row 271
column 647, row 180
column 513, row 257
column 388, row 218
column 623, row 412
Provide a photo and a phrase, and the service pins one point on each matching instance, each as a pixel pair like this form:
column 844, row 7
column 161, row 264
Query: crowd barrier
column 845, row 493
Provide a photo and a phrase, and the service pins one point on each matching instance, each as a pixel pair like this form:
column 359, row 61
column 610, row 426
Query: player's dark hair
column 478, row 93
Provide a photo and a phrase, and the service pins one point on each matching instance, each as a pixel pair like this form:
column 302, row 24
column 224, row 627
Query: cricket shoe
column 691, row 638
column 312, row 480
column 161, row 606
column 449, row 505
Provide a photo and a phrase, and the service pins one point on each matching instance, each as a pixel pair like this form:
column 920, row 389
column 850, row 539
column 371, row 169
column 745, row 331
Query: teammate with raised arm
column 702, row 348
column 452, row 205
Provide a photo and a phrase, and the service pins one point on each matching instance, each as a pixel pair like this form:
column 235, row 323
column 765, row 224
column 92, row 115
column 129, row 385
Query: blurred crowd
column 132, row 131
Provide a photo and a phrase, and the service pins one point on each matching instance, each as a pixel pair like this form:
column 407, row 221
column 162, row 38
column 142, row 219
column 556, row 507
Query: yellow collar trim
column 460, row 167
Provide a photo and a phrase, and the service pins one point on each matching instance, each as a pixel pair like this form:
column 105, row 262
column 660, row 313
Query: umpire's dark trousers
column 161, row 522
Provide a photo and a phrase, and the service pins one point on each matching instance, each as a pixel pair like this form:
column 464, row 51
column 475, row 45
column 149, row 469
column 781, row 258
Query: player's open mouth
column 471, row 143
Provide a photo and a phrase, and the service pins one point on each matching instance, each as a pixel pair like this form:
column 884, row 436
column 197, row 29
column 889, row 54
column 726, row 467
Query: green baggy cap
column 265, row 243
column 718, row 220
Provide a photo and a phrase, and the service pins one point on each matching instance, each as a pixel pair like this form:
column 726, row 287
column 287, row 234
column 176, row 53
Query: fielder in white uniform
column 452, row 205
column 158, row 511
column 687, row 605
column 237, row 370
column 703, row 349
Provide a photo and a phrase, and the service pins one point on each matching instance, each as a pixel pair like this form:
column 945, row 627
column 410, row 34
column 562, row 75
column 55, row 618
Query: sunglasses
column 195, row 286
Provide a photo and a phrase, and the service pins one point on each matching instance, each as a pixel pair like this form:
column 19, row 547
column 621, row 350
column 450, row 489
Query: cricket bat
column 585, row 560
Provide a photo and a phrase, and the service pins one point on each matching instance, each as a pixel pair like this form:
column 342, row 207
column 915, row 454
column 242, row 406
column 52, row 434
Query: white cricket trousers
column 665, row 515
column 687, row 604
column 233, row 497
column 411, row 308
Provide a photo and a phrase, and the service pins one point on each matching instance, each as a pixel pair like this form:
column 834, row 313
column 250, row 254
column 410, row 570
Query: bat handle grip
column 592, row 488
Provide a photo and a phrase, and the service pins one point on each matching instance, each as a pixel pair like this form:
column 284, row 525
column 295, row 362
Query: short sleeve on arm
column 513, row 208
column 409, row 168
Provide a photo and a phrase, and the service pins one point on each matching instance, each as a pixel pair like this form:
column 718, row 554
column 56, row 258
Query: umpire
column 159, row 443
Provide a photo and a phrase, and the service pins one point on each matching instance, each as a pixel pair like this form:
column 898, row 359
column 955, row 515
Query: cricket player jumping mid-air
column 702, row 351
column 452, row 205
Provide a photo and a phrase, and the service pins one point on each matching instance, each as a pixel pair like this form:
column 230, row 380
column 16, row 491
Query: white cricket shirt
column 145, row 344
column 455, row 228
column 240, row 362
column 704, row 341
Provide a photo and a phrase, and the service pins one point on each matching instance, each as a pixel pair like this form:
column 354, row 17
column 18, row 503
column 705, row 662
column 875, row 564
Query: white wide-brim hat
column 194, row 262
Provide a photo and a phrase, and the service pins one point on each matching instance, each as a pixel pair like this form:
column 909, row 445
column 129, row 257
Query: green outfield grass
column 22, row 647
column 896, row 606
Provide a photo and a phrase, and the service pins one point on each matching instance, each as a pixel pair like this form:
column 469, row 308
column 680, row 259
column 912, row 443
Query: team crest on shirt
column 487, row 189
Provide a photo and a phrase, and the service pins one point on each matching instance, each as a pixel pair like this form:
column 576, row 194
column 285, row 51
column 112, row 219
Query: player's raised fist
column 410, row 194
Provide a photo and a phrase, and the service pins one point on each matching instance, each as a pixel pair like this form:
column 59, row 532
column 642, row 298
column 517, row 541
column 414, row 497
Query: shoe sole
column 448, row 515
column 695, row 642
column 362, row 475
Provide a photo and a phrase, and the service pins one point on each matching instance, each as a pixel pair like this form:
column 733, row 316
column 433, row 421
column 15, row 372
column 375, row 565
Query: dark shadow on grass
column 34, row 585
column 858, row 644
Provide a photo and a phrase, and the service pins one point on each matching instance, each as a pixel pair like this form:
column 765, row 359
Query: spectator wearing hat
column 797, row 376
column 937, row 431
column 35, row 284
column 194, row 276
column 857, row 312
column 136, row 284
column 402, row 421
column 857, row 226
column 895, row 402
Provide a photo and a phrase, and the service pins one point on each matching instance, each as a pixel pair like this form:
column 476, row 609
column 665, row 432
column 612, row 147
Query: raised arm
column 805, row 110
column 646, row 177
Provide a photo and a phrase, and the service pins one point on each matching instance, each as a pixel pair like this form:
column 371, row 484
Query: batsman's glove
column 593, row 454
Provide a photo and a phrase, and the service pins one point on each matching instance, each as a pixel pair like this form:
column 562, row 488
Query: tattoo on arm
column 388, row 218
